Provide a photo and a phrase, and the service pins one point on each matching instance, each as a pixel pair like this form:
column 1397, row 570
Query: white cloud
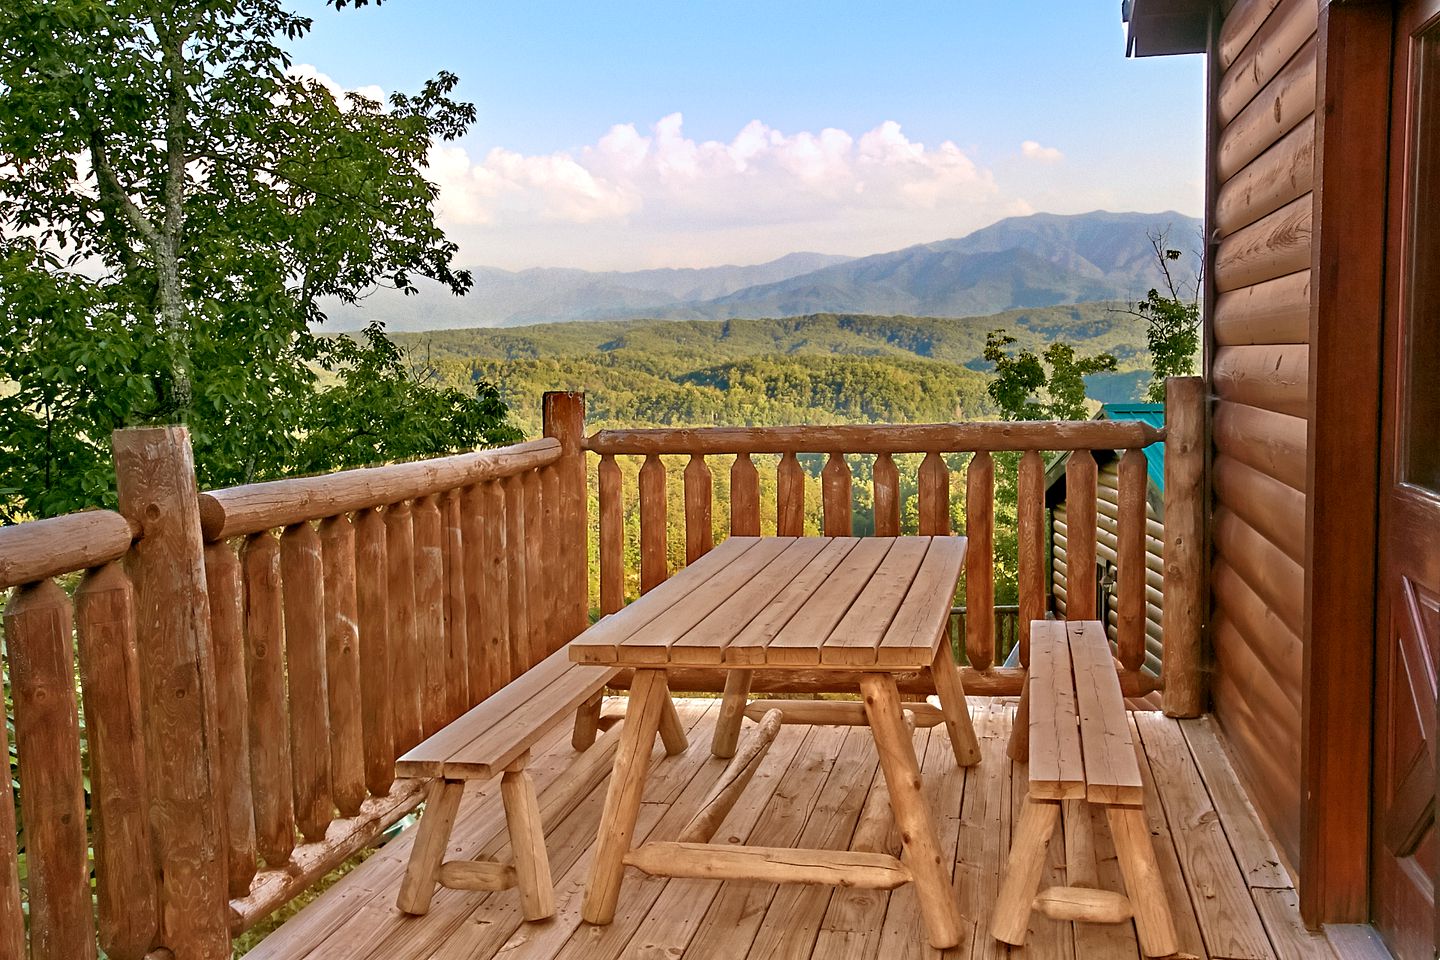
column 306, row 71
column 654, row 196
column 1032, row 150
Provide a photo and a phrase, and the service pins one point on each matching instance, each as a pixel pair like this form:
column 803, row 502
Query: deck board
column 810, row 791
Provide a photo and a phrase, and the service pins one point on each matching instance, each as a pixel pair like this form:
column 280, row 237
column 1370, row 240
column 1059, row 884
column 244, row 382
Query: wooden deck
column 1233, row 898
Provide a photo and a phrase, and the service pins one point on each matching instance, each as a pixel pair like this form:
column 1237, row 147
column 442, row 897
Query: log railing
column 980, row 450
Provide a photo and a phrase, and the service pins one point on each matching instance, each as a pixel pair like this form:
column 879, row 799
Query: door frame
column 1352, row 135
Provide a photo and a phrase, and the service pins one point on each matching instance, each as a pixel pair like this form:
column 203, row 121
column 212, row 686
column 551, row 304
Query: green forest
column 816, row 369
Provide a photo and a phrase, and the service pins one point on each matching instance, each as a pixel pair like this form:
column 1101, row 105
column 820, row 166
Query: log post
column 699, row 492
column 612, row 536
column 155, row 478
column 564, row 416
column 654, row 565
column 744, row 497
column 1183, row 663
column 886, row 479
column 835, row 496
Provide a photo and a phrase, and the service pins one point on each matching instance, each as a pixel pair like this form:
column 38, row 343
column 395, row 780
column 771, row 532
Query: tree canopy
column 174, row 203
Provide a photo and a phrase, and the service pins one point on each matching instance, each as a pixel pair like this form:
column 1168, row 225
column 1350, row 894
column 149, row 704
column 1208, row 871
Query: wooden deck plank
column 1258, row 857
column 811, row 795
column 1228, row 919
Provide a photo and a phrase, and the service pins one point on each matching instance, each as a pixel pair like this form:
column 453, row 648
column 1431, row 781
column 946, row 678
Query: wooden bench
column 494, row 738
column 1080, row 749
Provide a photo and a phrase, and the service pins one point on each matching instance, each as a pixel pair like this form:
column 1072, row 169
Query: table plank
column 919, row 624
column 707, row 641
column 652, row 642
column 749, row 646
column 600, row 643
column 1057, row 767
column 857, row 636
column 798, row 642
column 1112, row 774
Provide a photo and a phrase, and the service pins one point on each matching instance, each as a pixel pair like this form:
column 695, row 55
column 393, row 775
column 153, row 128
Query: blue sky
column 635, row 134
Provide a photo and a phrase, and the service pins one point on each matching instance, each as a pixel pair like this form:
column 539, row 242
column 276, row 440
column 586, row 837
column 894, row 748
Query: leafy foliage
column 1172, row 320
column 174, row 201
column 1049, row 385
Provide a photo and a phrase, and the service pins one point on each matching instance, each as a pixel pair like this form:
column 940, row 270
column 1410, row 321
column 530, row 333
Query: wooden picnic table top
column 775, row 602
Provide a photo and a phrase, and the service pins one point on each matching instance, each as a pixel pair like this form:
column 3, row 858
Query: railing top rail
column 240, row 511
column 41, row 549
column 996, row 435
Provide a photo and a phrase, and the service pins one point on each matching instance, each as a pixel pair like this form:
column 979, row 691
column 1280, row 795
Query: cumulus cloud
column 1032, row 150
column 306, row 71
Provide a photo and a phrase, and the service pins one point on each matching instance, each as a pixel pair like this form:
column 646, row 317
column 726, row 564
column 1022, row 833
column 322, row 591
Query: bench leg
column 527, row 842
column 648, row 695
column 1143, row 883
column 442, row 800
column 1031, row 838
column 1019, row 746
column 672, row 731
column 957, row 712
column 587, row 722
column 929, row 867
column 732, row 714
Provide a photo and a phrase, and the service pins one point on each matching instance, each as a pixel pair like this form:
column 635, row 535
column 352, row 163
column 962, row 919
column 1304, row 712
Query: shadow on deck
column 1233, row 898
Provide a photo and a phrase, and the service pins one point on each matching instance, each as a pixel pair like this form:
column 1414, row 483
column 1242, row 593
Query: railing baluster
column 1130, row 560
column 495, row 577
column 38, row 628
column 887, row 496
column 516, row 591
column 12, row 916
column 1080, row 580
column 554, row 551
column 654, row 565
column 699, row 491
column 934, row 496
column 980, row 560
column 744, row 497
column 790, row 497
column 536, row 576
column 836, row 493
column 342, row 665
column 472, row 542
column 303, row 584
column 371, row 582
column 1030, row 523
column 457, row 647
column 227, row 654
column 430, row 611
column 612, row 536
column 270, row 777
column 407, row 672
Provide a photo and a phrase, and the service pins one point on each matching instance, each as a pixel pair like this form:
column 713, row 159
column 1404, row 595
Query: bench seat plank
column 489, row 736
column 1057, row 767
column 1112, row 774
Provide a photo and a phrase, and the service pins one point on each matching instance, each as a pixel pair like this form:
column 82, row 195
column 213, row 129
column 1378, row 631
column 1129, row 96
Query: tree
column 1045, row 386
column 1172, row 320
column 175, row 203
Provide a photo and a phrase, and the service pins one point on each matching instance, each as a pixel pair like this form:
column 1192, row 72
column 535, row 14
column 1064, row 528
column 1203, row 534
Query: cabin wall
column 1107, row 511
column 1263, row 166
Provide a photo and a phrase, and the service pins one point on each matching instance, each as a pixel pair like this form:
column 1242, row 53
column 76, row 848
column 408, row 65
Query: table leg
column 648, row 695
column 957, row 712
column 732, row 714
column 930, row 868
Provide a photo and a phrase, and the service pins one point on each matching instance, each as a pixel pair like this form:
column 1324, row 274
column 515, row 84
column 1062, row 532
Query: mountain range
column 1021, row 262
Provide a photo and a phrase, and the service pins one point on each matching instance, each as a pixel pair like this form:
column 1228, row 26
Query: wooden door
column 1405, row 842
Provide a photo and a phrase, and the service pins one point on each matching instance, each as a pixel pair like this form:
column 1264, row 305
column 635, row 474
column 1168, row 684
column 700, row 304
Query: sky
column 631, row 134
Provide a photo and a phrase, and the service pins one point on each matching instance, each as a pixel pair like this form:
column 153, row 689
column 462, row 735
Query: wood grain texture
column 40, row 549
column 612, row 536
column 886, row 480
column 1130, row 554
column 227, row 651
column 1081, row 577
column 1241, row 23
column 1273, row 443
column 1282, row 174
column 564, row 419
column 1056, row 765
column 155, row 482
column 934, row 496
column 38, row 628
column 1030, row 533
column 495, row 587
column 1286, row 100
column 1111, row 773
column 342, row 666
column 1185, row 505
column 429, row 578
column 457, row 613
column 302, row 576
column 654, row 564
column 517, row 576
column 1273, row 575
column 270, row 771
column 1275, row 378
column 1283, row 33
column 474, row 519
column 371, row 580
column 1275, row 311
column 1273, row 509
column 1276, row 245
column 980, row 559
column 835, row 496
column 699, row 495
column 744, row 498
column 407, row 671
column 789, row 497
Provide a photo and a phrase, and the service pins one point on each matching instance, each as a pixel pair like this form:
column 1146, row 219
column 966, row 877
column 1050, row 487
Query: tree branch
column 114, row 192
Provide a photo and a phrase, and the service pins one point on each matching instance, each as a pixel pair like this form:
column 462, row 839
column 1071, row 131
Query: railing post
column 564, row 418
column 1183, row 664
column 155, row 477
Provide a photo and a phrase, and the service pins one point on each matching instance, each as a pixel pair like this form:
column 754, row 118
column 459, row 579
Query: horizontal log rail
column 240, row 511
column 35, row 551
column 996, row 436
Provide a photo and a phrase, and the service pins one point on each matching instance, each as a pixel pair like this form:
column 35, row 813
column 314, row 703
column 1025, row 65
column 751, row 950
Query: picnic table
column 867, row 608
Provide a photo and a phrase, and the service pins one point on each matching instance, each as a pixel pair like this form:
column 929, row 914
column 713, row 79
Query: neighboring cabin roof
column 1148, row 413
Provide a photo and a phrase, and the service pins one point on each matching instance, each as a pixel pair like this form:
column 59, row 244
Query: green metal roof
column 1147, row 413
